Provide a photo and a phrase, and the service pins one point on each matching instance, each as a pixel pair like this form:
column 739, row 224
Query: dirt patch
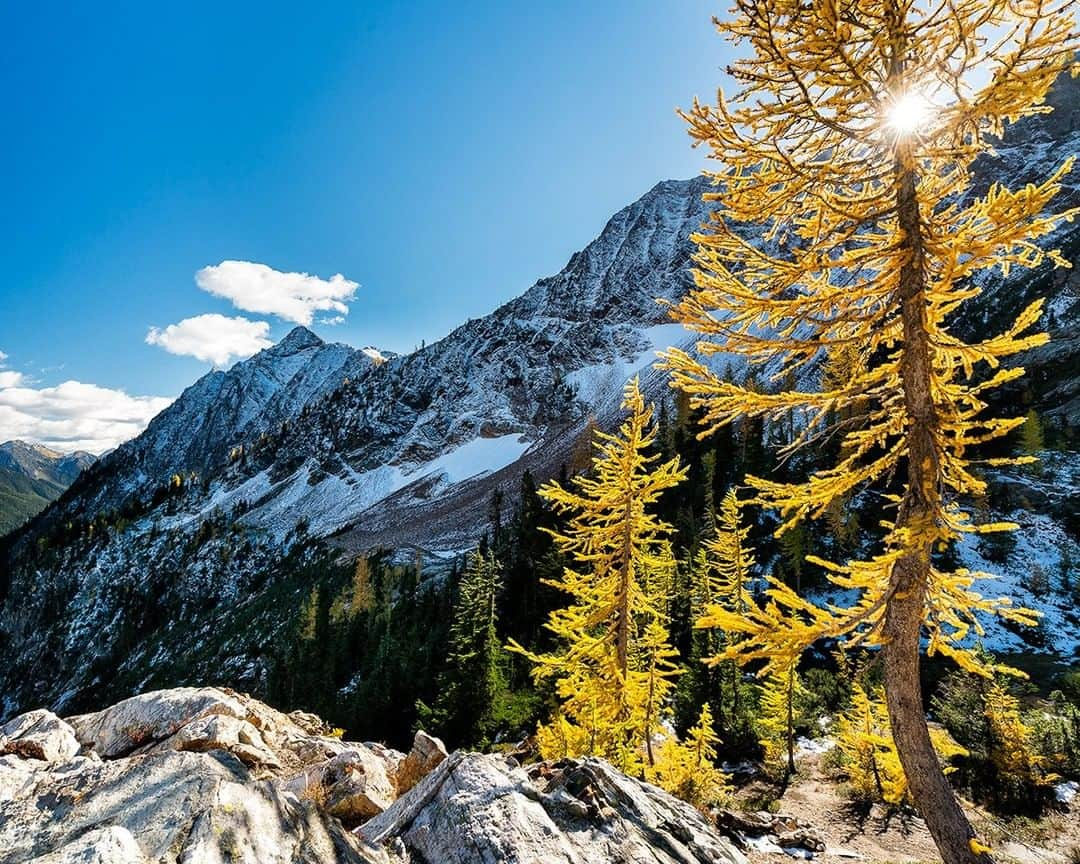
column 877, row 833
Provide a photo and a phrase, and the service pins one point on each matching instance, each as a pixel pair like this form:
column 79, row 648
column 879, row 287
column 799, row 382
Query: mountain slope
column 32, row 476
column 197, row 432
column 197, row 514
column 500, row 386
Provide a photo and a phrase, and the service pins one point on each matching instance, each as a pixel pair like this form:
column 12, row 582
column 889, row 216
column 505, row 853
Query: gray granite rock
column 195, row 808
column 426, row 753
column 38, row 735
column 477, row 809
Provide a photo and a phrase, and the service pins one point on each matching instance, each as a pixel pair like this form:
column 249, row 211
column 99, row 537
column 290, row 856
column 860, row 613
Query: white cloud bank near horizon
column 295, row 297
column 72, row 415
column 212, row 338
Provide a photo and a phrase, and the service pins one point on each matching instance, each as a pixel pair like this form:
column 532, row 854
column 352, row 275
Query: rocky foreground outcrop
column 194, row 775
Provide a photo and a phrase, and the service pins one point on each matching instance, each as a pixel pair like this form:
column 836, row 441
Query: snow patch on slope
column 601, row 383
column 476, row 457
column 1041, row 544
column 335, row 501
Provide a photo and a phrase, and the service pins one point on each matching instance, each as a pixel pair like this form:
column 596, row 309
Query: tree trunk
column 929, row 787
column 622, row 599
column 791, row 721
column 909, row 580
column 648, row 715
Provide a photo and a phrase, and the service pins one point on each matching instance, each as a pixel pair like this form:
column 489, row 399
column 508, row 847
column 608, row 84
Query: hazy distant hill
column 31, row 477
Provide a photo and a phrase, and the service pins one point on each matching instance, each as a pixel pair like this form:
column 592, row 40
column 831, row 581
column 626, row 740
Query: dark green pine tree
column 531, row 557
column 472, row 678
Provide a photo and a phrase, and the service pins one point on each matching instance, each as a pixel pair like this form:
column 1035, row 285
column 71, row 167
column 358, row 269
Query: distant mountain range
column 366, row 450
column 33, row 476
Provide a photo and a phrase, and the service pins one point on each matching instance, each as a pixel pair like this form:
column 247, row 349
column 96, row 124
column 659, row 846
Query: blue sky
column 441, row 157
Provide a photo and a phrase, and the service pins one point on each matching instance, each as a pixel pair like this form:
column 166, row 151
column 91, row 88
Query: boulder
column 481, row 808
column 391, row 758
column 754, row 824
column 181, row 808
column 801, row 838
column 353, row 785
column 149, row 718
column 222, row 732
column 39, row 735
column 426, row 754
column 207, row 718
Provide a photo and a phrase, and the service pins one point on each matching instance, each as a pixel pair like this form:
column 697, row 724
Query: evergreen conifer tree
column 473, row 678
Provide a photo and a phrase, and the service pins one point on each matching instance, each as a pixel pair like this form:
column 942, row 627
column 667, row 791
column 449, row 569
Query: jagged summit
column 298, row 339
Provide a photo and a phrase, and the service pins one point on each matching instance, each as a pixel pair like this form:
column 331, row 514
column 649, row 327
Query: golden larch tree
column 614, row 666
column 688, row 769
column 731, row 557
column 1011, row 746
column 868, row 752
column 851, row 140
column 726, row 568
column 781, row 690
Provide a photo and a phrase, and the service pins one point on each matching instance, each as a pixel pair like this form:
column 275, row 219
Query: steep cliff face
column 404, row 451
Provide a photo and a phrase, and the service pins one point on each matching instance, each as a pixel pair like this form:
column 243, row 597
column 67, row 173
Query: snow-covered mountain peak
column 298, row 339
column 531, row 371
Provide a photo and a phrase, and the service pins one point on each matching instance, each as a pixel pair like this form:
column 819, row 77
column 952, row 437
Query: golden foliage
column 614, row 669
column 1011, row 747
column 730, row 559
column 817, row 147
column 307, row 619
column 776, row 718
column 868, row 754
column 687, row 768
column 357, row 596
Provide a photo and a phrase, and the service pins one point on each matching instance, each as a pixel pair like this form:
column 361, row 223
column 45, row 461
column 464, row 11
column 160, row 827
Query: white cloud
column 212, row 338
column 73, row 415
column 292, row 296
column 10, row 379
column 3, row 357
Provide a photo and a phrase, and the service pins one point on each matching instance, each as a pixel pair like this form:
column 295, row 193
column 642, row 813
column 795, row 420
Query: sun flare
column 909, row 113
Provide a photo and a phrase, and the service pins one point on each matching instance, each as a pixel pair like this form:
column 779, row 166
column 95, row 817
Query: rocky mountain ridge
column 519, row 377
column 374, row 425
